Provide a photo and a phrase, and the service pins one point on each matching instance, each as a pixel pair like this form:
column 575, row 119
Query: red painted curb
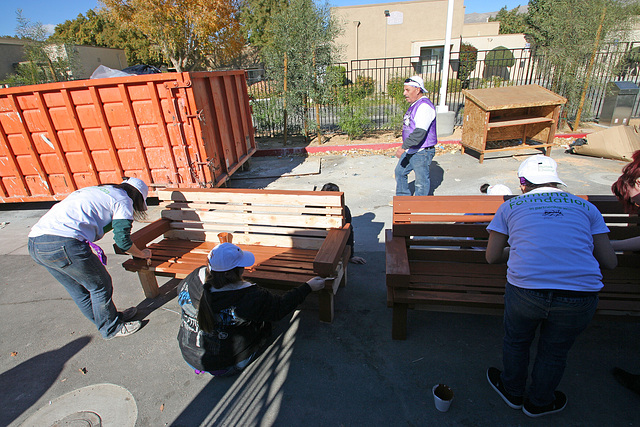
column 292, row 151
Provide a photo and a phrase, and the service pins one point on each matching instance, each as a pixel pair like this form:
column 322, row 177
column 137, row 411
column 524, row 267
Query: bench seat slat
column 319, row 233
column 285, row 241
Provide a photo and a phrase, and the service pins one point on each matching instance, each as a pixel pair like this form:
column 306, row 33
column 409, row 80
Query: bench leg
column 149, row 283
column 399, row 323
column 325, row 298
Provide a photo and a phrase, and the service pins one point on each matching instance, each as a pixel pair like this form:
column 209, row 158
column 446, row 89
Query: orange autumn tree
column 192, row 34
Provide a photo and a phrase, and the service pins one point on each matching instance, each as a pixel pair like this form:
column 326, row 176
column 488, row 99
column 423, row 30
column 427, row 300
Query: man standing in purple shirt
column 419, row 138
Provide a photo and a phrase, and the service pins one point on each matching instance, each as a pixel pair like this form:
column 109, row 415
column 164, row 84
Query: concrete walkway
column 348, row 373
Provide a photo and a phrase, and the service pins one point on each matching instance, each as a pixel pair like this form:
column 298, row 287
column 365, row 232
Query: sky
column 53, row 12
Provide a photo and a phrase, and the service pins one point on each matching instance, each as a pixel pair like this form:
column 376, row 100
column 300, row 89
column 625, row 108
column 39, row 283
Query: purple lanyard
column 98, row 251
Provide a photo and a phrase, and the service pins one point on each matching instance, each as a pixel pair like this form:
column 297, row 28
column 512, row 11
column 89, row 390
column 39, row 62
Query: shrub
column 365, row 85
column 268, row 114
column 395, row 87
column 500, row 57
column 468, row 61
column 336, row 75
column 354, row 120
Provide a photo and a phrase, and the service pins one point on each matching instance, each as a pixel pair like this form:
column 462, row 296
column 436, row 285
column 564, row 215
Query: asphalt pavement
column 55, row 366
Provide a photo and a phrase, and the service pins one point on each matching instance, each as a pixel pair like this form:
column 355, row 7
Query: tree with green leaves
column 511, row 21
column 567, row 33
column 300, row 48
column 256, row 16
column 468, row 61
column 98, row 29
column 191, row 34
column 45, row 61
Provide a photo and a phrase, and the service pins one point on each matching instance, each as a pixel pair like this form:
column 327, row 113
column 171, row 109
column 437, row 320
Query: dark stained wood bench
column 294, row 235
column 435, row 258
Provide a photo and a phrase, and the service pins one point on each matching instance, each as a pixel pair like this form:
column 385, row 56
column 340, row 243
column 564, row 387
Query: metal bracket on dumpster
column 198, row 115
column 177, row 85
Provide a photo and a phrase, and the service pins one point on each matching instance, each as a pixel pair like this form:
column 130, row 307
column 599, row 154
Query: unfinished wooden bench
column 294, row 235
column 435, row 258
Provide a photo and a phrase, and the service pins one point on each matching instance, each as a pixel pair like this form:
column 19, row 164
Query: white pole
column 442, row 108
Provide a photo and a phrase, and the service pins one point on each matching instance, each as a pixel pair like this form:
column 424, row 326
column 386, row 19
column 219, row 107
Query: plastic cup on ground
column 442, row 396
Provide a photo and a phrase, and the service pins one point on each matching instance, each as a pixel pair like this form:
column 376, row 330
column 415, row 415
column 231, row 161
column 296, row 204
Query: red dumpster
column 170, row 129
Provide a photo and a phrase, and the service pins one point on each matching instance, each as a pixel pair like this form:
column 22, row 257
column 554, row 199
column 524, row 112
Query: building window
column 431, row 59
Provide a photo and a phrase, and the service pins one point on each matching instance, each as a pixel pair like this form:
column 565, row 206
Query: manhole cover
column 80, row 419
column 99, row 405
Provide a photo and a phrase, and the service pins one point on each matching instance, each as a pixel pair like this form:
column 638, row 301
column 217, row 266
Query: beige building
column 414, row 29
column 401, row 29
column 88, row 57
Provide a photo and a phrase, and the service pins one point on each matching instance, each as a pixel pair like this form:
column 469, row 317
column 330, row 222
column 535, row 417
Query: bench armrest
column 331, row 251
column 397, row 260
column 147, row 234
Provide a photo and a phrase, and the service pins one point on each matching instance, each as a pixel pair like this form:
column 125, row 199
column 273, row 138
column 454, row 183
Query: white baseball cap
column 227, row 256
column 139, row 185
column 539, row 169
column 415, row 81
column 499, row 190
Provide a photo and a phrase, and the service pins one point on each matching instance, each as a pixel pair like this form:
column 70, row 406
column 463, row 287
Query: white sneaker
column 128, row 328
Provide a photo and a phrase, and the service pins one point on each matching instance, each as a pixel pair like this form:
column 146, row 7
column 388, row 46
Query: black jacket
column 244, row 314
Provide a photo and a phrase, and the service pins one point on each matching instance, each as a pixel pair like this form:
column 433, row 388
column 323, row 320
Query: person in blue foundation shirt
column 554, row 244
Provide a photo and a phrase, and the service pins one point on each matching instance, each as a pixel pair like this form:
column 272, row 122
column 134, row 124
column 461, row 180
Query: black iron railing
column 369, row 96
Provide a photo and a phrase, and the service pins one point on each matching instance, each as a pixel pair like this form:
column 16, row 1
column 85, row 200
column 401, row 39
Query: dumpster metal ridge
column 170, row 129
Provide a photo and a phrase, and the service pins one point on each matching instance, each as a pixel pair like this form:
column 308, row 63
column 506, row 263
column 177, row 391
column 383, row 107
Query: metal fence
column 371, row 96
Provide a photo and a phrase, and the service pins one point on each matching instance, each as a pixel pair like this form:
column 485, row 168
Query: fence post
column 284, row 142
column 589, row 68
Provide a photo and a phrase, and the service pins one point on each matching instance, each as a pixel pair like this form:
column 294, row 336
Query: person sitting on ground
column 534, row 233
column 627, row 190
column 226, row 321
column 329, row 186
column 63, row 239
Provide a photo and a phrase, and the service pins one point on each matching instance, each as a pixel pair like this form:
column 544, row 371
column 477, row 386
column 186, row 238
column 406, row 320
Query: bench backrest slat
column 295, row 219
column 222, row 207
column 274, row 218
column 462, row 216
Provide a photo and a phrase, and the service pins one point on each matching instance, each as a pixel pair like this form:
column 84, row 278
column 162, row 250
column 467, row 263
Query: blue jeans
column 79, row 270
column 560, row 318
column 419, row 163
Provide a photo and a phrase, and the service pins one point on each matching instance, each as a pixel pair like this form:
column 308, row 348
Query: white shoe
column 128, row 328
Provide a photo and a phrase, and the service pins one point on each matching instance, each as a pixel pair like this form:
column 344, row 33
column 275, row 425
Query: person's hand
column 317, row 283
column 357, row 260
column 146, row 253
column 399, row 152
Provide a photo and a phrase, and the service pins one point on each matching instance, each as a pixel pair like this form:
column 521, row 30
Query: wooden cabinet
column 527, row 115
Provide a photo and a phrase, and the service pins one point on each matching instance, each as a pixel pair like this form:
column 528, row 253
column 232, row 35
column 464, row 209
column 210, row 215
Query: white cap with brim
column 499, row 190
column 540, row 169
column 139, row 185
column 415, row 81
column 227, row 256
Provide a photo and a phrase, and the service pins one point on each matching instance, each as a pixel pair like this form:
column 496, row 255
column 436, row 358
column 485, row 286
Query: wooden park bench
column 435, row 258
column 294, row 235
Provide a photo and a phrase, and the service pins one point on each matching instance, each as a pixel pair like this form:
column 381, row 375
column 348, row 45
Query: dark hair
column 630, row 174
column 139, row 207
column 330, row 186
column 484, row 188
column 531, row 186
column 217, row 280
